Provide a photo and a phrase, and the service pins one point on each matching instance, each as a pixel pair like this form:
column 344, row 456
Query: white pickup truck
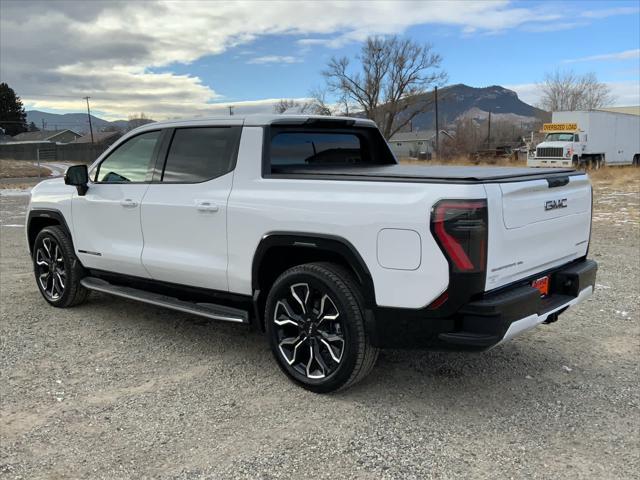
column 308, row 229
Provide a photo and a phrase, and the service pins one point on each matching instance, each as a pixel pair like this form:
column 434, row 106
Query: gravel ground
column 115, row 389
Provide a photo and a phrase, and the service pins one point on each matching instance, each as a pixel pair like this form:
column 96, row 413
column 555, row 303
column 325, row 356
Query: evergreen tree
column 33, row 128
column 13, row 118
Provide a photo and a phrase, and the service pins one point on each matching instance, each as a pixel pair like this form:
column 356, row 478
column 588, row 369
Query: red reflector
column 542, row 284
column 438, row 302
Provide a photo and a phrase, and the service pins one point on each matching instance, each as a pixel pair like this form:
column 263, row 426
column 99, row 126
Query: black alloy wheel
column 316, row 328
column 56, row 268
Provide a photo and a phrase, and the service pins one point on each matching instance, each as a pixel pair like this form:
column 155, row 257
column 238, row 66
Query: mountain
column 462, row 101
column 78, row 122
column 454, row 102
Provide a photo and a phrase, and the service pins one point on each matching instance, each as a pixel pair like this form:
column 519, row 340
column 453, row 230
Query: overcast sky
column 174, row 59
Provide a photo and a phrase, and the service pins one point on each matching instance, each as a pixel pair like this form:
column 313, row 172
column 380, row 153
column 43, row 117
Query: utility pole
column 489, row 131
column 230, row 109
column 437, row 125
column 89, row 115
column 43, row 123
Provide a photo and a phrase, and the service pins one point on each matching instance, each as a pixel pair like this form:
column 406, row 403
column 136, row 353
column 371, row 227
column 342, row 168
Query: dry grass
column 627, row 177
column 21, row 169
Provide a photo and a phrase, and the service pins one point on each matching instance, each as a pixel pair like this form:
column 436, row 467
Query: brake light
column 460, row 228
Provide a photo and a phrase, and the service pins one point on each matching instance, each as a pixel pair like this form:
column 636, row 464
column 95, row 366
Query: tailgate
column 535, row 226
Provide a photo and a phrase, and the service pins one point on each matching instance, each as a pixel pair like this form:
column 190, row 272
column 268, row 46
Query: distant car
column 308, row 229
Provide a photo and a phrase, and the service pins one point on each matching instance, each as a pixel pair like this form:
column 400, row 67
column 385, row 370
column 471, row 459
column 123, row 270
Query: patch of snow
column 14, row 192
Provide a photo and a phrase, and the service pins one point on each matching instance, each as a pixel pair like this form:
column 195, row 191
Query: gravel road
column 115, row 389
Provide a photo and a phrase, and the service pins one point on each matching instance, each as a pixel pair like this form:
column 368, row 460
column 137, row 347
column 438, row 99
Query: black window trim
column 269, row 132
column 161, row 160
column 152, row 160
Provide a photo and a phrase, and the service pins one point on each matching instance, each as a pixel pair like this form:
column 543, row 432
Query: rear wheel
column 315, row 322
column 56, row 268
column 636, row 160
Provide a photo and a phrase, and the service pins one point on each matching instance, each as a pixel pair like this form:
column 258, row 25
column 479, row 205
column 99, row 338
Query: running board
column 208, row 310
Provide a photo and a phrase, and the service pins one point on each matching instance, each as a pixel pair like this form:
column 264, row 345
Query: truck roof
column 254, row 120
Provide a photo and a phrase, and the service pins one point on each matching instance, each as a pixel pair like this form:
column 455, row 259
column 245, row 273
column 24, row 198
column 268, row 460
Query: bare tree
column 137, row 120
column 568, row 91
column 285, row 104
column 392, row 70
column 317, row 103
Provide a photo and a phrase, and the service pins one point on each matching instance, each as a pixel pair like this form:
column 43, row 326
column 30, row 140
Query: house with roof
column 52, row 136
column 418, row 144
column 104, row 139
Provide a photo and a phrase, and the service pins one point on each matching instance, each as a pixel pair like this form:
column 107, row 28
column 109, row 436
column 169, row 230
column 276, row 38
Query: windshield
column 559, row 137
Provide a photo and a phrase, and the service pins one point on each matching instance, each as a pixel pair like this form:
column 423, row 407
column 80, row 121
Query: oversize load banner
column 559, row 127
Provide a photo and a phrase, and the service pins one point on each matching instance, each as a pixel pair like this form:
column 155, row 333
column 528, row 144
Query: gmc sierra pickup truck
column 308, row 229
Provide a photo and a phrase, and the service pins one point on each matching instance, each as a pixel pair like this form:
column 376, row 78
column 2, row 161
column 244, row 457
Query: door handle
column 128, row 203
column 207, row 206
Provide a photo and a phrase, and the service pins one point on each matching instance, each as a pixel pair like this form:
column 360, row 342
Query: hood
column 555, row 144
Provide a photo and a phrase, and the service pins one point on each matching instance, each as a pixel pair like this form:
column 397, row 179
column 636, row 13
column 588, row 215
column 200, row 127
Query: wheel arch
column 41, row 218
column 279, row 251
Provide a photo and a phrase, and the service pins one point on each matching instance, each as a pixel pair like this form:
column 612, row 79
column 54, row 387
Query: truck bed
column 422, row 174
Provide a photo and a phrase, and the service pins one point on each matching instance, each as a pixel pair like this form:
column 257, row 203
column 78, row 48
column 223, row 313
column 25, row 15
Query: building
column 419, row 144
column 53, row 136
column 99, row 138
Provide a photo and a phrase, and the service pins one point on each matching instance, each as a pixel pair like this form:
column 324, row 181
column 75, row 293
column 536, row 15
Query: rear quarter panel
column 355, row 211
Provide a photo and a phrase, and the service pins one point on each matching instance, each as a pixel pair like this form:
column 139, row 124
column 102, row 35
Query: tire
column 575, row 162
column 57, row 269
column 319, row 306
column 636, row 161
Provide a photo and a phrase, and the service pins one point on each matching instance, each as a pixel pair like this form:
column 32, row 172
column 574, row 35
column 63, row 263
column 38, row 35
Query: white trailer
column 589, row 139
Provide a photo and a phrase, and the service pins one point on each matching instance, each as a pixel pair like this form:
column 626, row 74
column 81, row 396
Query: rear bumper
column 549, row 162
column 489, row 320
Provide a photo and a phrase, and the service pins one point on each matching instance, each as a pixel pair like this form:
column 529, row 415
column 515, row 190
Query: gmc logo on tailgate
column 555, row 204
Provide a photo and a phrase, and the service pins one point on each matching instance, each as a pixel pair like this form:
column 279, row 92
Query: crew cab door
column 184, row 211
column 106, row 221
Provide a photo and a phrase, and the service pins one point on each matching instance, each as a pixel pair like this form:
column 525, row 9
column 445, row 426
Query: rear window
column 200, row 154
column 299, row 148
column 294, row 148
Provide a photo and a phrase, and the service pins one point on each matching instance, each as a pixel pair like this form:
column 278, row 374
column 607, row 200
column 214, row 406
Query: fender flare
column 48, row 213
column 321, row 242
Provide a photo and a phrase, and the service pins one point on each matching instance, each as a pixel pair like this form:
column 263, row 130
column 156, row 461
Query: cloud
column 625, row 93
column 274, row 59
column 55, row 52
column 609, row 12
column 626, row 55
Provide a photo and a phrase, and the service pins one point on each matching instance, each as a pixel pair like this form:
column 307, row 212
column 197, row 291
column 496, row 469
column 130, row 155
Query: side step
column 208, row 310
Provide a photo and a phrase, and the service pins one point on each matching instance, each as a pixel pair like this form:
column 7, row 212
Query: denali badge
column 553, row 204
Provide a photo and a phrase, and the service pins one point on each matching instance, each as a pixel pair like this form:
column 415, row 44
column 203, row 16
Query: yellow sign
column 559, row 127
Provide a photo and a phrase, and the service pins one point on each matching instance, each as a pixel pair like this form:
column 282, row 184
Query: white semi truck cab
column 589, row 139
column 563, row 146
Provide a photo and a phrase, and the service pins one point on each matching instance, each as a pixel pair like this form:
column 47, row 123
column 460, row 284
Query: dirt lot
column 115, row 389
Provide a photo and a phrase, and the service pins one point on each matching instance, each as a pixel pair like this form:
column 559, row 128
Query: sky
column 191, row 58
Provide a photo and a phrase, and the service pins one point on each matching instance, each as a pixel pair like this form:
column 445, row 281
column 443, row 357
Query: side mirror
column 78, row 176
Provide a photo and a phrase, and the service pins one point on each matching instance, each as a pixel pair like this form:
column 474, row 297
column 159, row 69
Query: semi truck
column 588, row 139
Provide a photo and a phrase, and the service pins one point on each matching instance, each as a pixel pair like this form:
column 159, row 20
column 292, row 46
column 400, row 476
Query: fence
column 69, row 152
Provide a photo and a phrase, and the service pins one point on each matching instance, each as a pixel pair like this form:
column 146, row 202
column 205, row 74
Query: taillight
column 460, row 228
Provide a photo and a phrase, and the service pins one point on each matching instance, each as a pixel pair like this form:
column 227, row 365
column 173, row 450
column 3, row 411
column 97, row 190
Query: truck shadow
column 413, row 373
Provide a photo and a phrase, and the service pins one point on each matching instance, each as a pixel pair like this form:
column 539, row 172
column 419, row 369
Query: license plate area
column 542, row 285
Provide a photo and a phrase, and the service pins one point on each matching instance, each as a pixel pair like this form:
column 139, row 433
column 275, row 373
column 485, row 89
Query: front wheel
column 56, row 268
column 315, row 322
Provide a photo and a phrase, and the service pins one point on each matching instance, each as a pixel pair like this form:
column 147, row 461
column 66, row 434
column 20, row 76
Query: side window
column 201, row 153
column 130, row 161
column 576, row 138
